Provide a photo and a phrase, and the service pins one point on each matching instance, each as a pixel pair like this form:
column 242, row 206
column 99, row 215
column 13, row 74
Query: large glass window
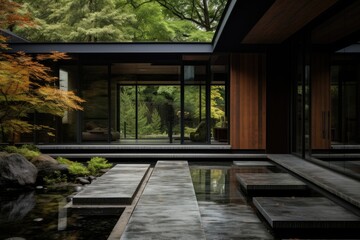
column 68, row 80
column 149, row 103
column 96, row 114
column 345, row 105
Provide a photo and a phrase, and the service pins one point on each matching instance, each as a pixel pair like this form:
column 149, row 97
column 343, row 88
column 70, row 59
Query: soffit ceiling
column 284, row 18
column 254, row 24
column 342, row 24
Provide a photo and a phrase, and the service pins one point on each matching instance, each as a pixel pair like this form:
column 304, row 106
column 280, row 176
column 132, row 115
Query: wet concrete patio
column 178, row 202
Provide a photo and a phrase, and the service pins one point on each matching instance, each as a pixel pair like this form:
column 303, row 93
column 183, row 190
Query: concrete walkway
column 337, row 184
column 168, row 208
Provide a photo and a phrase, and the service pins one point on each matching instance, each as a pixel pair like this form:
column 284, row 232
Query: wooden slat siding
column 320, row 102
column 235, row 102
column 248, row 101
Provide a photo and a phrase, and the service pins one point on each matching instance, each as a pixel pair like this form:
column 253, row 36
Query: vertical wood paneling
column 248, row 101
column 320, row 102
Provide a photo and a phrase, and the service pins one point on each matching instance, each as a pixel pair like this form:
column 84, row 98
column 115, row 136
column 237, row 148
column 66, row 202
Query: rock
column 105, row 170
column 91, row 178
column 16, row 170
column 82, row 180
column 47, row 165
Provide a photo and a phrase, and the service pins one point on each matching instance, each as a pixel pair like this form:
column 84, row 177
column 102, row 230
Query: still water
column 225, row 211
column 39, row 214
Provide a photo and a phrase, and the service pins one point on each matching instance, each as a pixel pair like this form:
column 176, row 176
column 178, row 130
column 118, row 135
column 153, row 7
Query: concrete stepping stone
column 116, row 187
column 308, row 213
column 263, row 184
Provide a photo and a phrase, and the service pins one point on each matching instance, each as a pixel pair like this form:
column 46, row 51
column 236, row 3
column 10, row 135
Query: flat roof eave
column 128, row 48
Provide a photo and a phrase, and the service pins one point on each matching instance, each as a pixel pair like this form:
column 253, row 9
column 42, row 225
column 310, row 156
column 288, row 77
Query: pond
column 39, row 214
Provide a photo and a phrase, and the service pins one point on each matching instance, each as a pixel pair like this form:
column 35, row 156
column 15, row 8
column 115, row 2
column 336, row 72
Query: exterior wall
column 248, row 101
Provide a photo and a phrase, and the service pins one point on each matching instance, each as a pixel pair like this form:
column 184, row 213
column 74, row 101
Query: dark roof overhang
column 126, row 48
column 258, row 24
column 12, row 37
column 238, row 20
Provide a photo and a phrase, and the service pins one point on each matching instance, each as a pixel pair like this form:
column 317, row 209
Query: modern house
column 280, row 83
column 279, row 77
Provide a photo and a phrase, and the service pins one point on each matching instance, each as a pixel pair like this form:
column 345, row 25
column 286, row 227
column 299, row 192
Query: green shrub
column 64, row 161
column 97, row 163
column 31, row 147
column 23, row 150
column 55, row 177
column 78, row 169
column 75, row 168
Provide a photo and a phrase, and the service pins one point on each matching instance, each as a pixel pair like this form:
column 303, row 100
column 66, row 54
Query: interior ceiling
column 284, row 18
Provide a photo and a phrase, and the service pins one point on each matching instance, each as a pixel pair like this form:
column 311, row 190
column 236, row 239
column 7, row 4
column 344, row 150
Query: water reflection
column 219, row 184
column 15, row 206
column 225, row 212
column 210, row 184
column 38, row 215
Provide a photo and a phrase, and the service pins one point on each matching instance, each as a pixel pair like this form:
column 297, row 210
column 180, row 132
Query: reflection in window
column 68, row 78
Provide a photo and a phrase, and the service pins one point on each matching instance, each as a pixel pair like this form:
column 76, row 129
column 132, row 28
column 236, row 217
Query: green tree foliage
column 127, row 111
column 151, row 25
column 122, row 20
column 155, row 122
column 205, row 14
column 78, row 20
column 153, row 104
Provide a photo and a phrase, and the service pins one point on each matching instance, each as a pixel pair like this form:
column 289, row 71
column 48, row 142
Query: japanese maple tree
column 26, row 84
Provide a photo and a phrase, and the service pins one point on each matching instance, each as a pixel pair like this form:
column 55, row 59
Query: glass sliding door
column 127, row 112
column 218, row 107
column 156, row 111
column 148, row 103
column 219, row 125
column 195, row 120
column 301, row 135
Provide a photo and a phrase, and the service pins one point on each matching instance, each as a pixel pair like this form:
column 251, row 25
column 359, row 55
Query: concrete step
column 116, row 187
column 308, row 216
column 270, row 184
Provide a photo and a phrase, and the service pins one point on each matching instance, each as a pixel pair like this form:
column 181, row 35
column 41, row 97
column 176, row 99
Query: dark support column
column 208, row 103
column 278, row 95
column 182, row 93
column 109, row 104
